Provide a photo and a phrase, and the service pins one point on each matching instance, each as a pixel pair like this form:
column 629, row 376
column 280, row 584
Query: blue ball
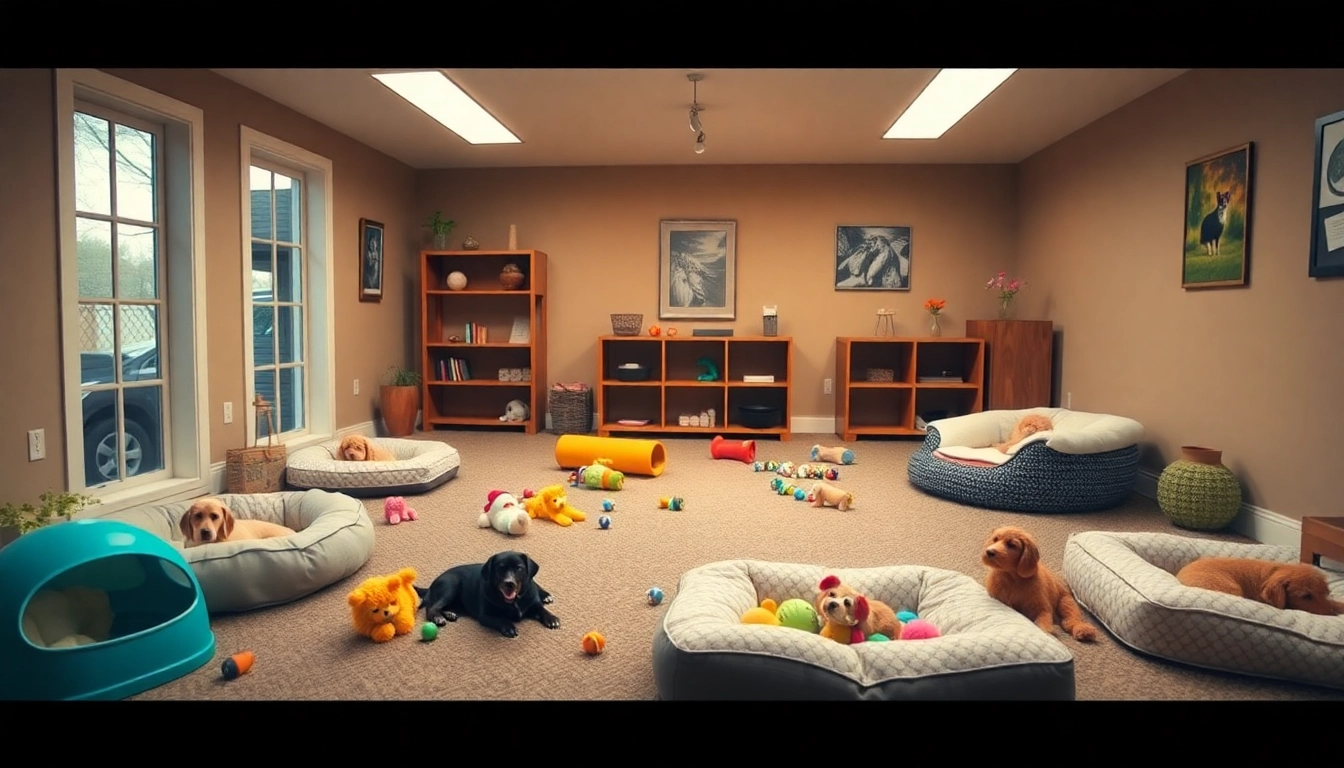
column 907, row 616
column 604, row 522
column 608, row 505
column 655, row 596
column 799, row 494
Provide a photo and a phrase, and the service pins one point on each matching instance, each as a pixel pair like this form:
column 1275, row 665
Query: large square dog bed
column 333, row 539
column 420, row 467
column 1128, row 581
column 1087, row 462
column 702, row 651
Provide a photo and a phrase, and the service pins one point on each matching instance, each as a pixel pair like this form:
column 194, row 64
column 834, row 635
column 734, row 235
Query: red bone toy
column 744, row 451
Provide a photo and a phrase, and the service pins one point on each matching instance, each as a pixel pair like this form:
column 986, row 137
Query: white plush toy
column 504, row 514
column 516, row 410
column 68, row 618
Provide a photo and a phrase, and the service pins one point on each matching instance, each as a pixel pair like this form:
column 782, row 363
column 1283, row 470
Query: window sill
column 163, row 491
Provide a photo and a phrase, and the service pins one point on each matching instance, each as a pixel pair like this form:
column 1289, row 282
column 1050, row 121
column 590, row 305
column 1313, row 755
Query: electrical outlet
column 37, row 444
column 228, row 413
column 356, row 386
column 826, row 387
column 1068, row 400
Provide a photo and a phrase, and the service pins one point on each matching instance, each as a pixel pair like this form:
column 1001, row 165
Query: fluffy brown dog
column 851, row 617
column 1295, row 586
column 208, row 521
column 1018, row 579
column 361, row 448
column 1026, row 427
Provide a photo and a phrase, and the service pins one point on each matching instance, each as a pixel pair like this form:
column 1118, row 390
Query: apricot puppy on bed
column 1026, row 427
column 361, row 448
column 208, row 521
column 1294, row 586
column 1018, row 579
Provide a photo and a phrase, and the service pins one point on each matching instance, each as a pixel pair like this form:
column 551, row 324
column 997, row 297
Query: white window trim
column 185, row 228
column 319, row 213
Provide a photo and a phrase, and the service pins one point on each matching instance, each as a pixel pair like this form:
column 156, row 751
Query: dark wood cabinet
column 1019, row 355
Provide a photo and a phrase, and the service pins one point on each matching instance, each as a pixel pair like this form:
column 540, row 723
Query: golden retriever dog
column 1294, row 586
column 361, row 448
column 208, row 521
column 1026, row 427
column 1018, row 579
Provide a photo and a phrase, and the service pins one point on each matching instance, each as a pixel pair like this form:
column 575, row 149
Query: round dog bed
column 334, row 539
column 702, row 651
column 420, row 467
column 1087, row 462
column 1128, row 581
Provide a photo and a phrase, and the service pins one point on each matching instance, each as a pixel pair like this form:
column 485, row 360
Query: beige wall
column 366, row 184
column 599, row 226
column 1254, row 371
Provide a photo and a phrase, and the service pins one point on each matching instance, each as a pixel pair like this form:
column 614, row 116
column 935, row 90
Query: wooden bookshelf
column 491, row 310
column 864, row 407
column 672, row 390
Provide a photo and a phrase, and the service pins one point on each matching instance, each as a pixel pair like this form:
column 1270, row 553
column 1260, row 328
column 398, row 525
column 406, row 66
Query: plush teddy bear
column 825, row 493
column 838, row 454
column 395, row 509
column 598, row 476
column 65, row 618
column 550, row 503
column 504, row 514
column 849, row 617
column 384, row 606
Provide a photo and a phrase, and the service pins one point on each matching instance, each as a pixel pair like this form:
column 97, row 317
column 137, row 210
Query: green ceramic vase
column 1197, row 492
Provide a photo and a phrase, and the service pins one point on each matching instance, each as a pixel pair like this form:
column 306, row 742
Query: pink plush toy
column 395, row 510
column 919, row 629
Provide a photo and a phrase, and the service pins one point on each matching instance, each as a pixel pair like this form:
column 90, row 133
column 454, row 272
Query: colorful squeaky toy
column 674, row 503
column 787, row 489
column 654, row 595
column 835, row 455
column 816, row 472
column 598, row 476
column 396, row 510
column 785, row 469
column 765, row 466
column 914, row 628
column 608, row 505
column 504, row 514
column 604, row 522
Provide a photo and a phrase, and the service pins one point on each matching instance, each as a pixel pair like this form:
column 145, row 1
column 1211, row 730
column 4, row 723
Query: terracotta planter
column 1195, row 453
column 399, row 405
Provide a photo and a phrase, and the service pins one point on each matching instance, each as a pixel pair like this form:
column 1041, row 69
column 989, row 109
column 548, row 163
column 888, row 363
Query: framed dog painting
column 1327, row 199
column 371, row 251
column 1217, row 233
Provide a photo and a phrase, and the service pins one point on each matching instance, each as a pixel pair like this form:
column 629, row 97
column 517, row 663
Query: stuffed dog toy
column 504, row 514
column 551, row 504
column 1026, row 427
column 384, row 606
column 823, row 494
column 515, row 410
column 849, row 617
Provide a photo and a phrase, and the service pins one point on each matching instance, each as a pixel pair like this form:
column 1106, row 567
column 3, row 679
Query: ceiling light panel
column 949, row 97
column 440, row 98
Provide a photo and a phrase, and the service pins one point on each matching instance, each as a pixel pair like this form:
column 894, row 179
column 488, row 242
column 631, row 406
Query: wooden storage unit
column 879, row 387
column 672, row 389
column 485, row 304
column 1019, row 360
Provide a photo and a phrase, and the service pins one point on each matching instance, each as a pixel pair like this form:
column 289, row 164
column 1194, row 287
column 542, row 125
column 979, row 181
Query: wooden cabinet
column 891, row 385
column 1019, row 359
column 673, row 389
column 472, row 360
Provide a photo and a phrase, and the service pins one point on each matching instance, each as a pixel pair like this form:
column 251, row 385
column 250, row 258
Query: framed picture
column 1217, row 232
column 370, row 260
column 697, row 270
column 1327, row 199
column 872, row 258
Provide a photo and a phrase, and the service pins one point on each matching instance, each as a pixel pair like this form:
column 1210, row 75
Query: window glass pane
column 102, row 448
column 289, row 332
column 263, row 278
column 263, row 335
column 289, row 273
column 93, row 159
column 263, row 381
column 136, row 191
column 291, row 400
column 137, row 262
column 260, row 186
column 96, row 339
column 144, row 429
column 139, row 340
column 93, row 258
column 288, row 209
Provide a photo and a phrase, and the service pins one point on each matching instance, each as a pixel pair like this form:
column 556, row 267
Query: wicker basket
column 881, row 374
column 260, row 468
column 571, row 411
column 627, row 325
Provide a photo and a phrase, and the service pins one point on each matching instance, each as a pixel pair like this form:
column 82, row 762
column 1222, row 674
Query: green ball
column 428, row 631
column 798, row 614
column 878, row 637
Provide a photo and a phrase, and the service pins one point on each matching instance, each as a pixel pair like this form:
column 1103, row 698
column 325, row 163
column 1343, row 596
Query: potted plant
column 441, row 227
column 399, row 399
column 16, row 520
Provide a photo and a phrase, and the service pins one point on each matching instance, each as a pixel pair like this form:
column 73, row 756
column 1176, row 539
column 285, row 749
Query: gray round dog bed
column 333, row 539
column 702, row 650
column 1128, row 581
column 420, row 467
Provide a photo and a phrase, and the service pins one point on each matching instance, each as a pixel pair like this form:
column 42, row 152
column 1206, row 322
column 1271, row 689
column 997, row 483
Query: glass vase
column 935, row 326
column 441, row 242
column 1005, row 307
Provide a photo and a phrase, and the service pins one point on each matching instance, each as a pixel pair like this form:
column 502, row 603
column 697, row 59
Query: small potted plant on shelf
column 399, row 399
column 16, row 520
column 441, row 227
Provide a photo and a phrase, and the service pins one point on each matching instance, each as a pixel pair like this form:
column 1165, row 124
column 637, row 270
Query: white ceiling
column 587, row 117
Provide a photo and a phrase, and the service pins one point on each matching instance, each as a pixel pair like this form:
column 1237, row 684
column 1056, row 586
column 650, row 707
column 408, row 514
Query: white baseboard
column 217, row 483
column 819, row 425
column 1254, row 522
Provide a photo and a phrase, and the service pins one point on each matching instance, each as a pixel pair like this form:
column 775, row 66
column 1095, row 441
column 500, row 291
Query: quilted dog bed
column 1128, row 581
column 702, row 651
column 420, row 467
column 1087, row 462
column 333, row 539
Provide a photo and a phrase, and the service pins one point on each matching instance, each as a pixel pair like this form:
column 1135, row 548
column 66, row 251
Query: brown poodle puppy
column 1294, row 586
column 1018, row 579
column 843, row 609
column 208, row 521
column 1026, row 427
column 361, row 448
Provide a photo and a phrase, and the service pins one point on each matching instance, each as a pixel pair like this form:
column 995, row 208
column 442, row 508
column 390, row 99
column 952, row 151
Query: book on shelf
column 941, row 380
column 454, row 369
column 476, row 333
column 759, row 379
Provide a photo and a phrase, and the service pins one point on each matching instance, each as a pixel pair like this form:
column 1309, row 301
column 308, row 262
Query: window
column 287, row 268
column 131, row 266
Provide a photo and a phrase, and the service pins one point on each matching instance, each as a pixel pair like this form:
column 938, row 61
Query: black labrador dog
column 497, row 593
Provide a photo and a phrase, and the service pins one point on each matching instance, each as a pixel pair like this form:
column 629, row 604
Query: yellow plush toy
column 550, row 503
column 766, row 613
column 384, row 606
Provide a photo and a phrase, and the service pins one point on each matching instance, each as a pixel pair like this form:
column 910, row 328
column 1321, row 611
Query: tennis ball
column 428, row 631
column 594, row 643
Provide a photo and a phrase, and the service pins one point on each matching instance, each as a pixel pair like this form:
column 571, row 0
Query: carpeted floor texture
column 307, row 650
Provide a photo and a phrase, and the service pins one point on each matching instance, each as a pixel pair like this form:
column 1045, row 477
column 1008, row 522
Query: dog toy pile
column 778, row 485
column 504, row 514
column 798, row 472
column 395, row 509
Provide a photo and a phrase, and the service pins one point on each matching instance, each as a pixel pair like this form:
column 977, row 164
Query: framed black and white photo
column 697, row 270
column 370, row 260
column 1327, row 199
column 871, row 258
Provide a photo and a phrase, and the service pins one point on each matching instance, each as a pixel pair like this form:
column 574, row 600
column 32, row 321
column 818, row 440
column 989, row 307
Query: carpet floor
column 308, row 650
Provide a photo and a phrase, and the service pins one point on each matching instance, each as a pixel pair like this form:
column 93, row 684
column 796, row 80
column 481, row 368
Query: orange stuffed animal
column 384, row 606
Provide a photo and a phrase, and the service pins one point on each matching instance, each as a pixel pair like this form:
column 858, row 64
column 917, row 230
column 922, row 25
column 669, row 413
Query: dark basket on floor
column 571, row 412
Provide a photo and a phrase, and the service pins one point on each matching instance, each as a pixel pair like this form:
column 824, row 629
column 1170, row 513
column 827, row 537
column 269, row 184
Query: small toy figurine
column 608, row 505
column 711, row 370
column 674, row 503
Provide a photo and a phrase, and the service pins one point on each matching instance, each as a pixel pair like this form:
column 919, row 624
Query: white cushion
column 1076, row 432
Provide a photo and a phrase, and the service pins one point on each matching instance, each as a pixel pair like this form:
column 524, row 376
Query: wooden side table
column 1322, row 536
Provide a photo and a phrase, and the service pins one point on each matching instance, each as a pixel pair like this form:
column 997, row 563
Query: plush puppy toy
column 824, row 493
column 849, row 617
column 835, row 455
column 504, row 514
column 1026, row 427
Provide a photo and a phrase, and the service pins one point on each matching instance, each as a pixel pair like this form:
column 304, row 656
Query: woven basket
column 571, row 412
column 627, row 325
column 881, row 374
column 260, row 468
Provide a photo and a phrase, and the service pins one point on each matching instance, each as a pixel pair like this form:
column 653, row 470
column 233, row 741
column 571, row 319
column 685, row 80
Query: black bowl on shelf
column 640, row 373
column 758, row 416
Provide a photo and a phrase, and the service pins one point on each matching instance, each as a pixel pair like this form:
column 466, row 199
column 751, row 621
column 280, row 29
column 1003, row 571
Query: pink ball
column 919, row 629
